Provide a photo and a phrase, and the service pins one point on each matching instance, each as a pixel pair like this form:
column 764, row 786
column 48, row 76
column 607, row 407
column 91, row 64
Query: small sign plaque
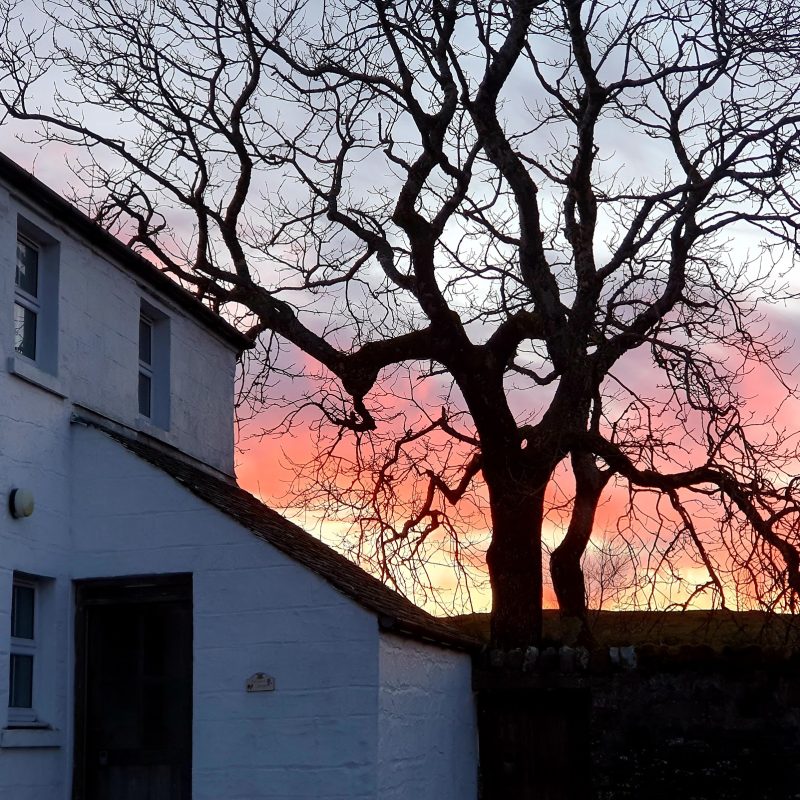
column 260, row 683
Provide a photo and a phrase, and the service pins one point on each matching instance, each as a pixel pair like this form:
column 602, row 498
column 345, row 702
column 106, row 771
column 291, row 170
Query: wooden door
column 133, row 733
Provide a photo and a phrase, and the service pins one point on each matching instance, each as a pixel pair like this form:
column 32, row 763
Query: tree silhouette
column 529, row 208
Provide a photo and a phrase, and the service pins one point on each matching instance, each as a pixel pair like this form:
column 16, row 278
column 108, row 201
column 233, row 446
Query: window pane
column 20, row 694
column 144, row 394
column 24, row 331
column 22, row 610
column 145, row 341
column 27, row 277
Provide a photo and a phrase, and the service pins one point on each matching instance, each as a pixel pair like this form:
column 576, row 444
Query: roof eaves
column 440, row 632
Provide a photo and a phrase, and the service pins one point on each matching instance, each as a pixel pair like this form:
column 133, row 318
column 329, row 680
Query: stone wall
column 651, row 722
column 693, row 724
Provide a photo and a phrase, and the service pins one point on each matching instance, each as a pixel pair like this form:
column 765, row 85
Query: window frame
column 21, row 716
column 27, row 301
column 146, row 367
column 43, row 368
column 158, row 370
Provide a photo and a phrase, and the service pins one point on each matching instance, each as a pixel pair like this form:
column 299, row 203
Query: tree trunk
column 565, row 560
column 514, row 560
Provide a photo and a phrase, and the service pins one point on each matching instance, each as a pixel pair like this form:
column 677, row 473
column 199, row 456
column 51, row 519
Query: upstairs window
column 154, row 365
column 145, row 366
column 27, row 306
column 35, row 311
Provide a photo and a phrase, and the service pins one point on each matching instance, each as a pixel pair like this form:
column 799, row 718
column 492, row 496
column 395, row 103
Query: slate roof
column 60, row 210
column 396, row 614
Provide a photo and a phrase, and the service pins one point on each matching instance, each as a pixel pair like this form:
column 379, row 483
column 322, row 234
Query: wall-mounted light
column 20, row 503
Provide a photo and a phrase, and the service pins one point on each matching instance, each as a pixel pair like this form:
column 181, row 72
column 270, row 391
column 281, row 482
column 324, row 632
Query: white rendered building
column 163, row 635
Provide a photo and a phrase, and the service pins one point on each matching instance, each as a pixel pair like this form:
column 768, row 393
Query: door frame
column 93, row 592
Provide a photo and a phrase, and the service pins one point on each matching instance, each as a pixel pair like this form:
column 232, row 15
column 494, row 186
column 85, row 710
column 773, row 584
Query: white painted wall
column 97, row 347
column 96, row 365
column 255, row 610
column 427, row 734
column 356, row 714
column 35, row 454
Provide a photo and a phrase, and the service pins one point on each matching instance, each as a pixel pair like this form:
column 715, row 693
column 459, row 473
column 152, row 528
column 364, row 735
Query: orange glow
column 263, row 468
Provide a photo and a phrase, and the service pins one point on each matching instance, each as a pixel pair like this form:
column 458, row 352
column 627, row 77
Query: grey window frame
column 158, row 369
column 28, row 301
column 146, row 367
column 20, row 716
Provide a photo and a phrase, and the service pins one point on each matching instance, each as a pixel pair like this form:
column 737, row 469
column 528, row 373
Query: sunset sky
column 264, row 463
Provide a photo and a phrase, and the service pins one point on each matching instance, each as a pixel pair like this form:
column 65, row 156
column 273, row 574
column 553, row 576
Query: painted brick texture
column 427, row 739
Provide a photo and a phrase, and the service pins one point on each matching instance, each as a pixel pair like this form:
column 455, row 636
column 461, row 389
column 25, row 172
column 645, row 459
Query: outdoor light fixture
column 20, row 503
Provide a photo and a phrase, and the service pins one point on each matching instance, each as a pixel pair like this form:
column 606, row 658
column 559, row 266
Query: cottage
column 164, row 635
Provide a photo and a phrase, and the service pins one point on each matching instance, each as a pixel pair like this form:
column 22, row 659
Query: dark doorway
column 133, row 698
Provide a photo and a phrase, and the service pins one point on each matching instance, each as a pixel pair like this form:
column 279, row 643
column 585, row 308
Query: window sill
column 30, row 737
column 29, row 372
column 146, row 425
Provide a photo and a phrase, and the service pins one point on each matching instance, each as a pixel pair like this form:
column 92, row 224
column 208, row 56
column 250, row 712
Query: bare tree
column 518, row 205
